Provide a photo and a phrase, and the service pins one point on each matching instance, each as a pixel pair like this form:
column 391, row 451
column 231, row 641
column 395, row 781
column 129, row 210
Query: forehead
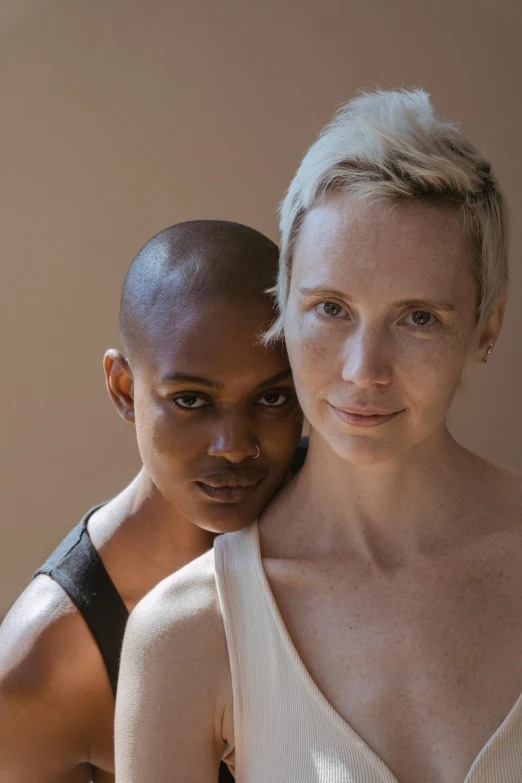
column 396, row 246
column 217, row 339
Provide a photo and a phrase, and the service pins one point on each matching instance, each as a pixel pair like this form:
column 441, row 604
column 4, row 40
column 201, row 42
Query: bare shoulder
column 502, row 490
column 41, row 623
column 181, row 613
column 174, row 700
column 54, row 692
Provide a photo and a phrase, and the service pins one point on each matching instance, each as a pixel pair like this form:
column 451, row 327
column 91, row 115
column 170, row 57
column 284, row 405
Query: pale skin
column 56, row 703
column 394, row 556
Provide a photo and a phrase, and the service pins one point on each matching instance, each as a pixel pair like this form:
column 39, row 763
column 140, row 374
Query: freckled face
column 206, row 396
column 379, row 323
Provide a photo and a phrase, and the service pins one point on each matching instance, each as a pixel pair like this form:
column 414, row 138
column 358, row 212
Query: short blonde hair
column 392, row 145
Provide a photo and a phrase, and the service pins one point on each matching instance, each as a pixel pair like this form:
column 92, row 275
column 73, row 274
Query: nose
column 367, row 358
column 233, row 438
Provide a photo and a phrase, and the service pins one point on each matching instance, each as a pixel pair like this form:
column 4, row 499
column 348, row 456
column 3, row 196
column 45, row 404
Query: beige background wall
column 120, row 117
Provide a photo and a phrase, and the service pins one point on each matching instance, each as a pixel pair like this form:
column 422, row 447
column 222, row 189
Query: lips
column 365, row 417
column 230, row 487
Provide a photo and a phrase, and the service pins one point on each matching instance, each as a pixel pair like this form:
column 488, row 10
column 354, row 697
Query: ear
column 489, row 333
column 120, row 383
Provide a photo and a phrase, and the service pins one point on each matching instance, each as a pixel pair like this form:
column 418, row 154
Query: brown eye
column 273, row 400
column 189, row 402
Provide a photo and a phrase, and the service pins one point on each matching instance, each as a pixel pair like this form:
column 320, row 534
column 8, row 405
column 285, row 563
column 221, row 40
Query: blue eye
column 420, row 318
column 189, row 402
column 329, row 309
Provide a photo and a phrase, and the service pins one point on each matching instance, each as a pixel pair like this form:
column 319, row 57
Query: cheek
column 144, row 429
column 308, row 351
column 428, row 372
column 425, row 372
column 156, row 433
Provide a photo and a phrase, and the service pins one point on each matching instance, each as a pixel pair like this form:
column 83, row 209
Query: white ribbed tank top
column 285, row 729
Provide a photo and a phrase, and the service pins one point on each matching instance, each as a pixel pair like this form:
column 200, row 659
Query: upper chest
column 423, row 662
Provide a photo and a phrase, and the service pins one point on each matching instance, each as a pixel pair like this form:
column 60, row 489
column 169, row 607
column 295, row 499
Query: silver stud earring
column 488, row 351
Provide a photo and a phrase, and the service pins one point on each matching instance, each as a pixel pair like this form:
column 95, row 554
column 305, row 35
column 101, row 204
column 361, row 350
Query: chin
column 359, row 450
column 229, row 518
column 226, row 526
column 234, row 525
column 223, row 519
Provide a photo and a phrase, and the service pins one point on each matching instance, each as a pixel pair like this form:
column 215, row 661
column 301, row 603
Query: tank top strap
column 285, row 730
column 267, row 688
column 77, row 567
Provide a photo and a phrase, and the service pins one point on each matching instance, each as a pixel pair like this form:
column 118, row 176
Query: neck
column 143, row 538
column 162, row 528
column 388, row 511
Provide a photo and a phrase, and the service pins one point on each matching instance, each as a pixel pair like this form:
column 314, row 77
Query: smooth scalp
column 202, row 258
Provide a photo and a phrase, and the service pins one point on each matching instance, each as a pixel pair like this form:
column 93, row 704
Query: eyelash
column 323, row 315
column 421, row 327
column 190, row 396
column 286, row 393
column 417, row 328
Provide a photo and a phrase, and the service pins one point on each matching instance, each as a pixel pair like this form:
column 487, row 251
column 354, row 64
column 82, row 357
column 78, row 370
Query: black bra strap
column 225, row 775
column 82, row 575
column 77, row 568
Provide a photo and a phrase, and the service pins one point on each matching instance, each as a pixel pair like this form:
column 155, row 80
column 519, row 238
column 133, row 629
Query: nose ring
column 258, row 452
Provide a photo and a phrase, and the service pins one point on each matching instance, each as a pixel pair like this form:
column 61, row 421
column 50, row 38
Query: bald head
column 191, row 261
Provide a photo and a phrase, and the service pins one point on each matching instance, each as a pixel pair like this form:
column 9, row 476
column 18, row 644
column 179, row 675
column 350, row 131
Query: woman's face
column 379, row 323
column 207, row 397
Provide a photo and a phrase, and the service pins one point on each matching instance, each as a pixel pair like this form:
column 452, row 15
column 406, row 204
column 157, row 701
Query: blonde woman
column 368, row 628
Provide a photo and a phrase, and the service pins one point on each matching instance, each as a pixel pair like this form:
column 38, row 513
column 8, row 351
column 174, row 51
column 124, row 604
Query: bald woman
column 217, row 426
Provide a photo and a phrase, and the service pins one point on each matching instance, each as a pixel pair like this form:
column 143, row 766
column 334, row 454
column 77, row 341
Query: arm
column 47, row 662
column 36, row 740
column 173, row 711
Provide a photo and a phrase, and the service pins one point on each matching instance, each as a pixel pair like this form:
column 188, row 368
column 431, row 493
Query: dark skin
column 198, row 432
column 199, row 419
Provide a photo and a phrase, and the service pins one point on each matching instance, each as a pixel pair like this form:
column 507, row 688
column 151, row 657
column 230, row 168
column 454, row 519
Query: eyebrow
column 429, row 304
column 318, row 289
column 184, row 377
column 198, row 380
